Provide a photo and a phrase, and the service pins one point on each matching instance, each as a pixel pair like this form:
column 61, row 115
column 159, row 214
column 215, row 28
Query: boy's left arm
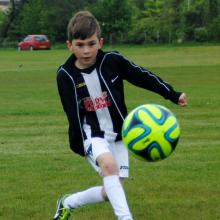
column 146, row 79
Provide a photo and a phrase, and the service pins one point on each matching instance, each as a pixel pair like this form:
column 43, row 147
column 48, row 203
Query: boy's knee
column 109, row 169
column 107, row 164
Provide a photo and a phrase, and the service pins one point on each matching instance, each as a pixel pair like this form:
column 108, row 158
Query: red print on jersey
column 92, row 104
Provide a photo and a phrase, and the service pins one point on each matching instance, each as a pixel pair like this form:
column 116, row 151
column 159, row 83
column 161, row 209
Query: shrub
column 201, row 34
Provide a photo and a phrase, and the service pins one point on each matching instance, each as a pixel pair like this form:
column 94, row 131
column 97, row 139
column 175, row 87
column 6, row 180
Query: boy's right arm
column 67, row 99
column 69, row 102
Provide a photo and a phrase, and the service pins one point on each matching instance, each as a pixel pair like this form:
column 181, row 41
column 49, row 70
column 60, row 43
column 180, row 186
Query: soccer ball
column 151, row 132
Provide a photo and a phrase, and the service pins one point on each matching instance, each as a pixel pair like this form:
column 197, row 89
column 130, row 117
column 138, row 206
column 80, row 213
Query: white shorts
column 97, row 146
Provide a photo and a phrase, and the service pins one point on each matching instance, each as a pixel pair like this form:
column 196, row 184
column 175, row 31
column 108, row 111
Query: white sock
column 89, row 196
column 116, row 196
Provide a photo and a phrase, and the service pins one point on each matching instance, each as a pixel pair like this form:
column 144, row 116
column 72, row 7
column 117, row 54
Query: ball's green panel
column 155, row 154
column 134, row 134
column 171, row 125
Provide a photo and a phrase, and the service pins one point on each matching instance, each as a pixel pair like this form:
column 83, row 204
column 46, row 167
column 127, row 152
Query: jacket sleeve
column 68, row 98
column 146, row 79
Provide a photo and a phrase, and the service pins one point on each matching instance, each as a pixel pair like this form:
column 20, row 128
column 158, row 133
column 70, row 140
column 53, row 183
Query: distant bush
column 215, row 29
column 8, row 43
column 2, row 16
column 201, row 34
column 124, row 21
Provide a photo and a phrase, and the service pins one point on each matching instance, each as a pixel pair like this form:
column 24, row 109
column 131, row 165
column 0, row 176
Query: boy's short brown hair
column 83, row 25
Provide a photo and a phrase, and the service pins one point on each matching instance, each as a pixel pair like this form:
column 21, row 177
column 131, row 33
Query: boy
column 90, row 86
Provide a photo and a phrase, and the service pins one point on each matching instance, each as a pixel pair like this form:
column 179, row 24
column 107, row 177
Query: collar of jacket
column 69, row 64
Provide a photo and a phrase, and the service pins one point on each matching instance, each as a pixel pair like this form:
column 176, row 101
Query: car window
column 40, row 38
column 28, row 38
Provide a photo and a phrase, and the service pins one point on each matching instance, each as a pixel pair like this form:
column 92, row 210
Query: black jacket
column 112, row 68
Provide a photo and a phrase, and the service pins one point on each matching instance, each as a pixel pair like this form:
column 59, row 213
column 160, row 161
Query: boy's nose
column 86, row 49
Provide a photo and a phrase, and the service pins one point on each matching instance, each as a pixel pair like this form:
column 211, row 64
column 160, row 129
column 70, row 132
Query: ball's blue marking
column 173, row 141
column 167, row 135
column 135, row 122
column 146, row 153
column 157, row 146
column 146, row 131
column 159, row 121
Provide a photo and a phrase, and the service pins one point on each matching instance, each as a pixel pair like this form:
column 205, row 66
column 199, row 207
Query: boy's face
column 85, row 50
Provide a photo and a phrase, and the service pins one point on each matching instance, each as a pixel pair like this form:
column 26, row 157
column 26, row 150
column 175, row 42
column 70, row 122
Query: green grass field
column 37, row 166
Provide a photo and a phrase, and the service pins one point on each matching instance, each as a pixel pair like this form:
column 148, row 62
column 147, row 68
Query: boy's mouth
column 87, row 59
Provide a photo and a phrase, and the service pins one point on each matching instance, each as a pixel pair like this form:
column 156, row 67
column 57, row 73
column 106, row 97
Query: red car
column 34, row 42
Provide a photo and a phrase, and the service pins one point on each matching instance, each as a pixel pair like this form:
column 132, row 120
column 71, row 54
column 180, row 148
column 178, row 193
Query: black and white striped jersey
column 93, row 99
column 100, row 114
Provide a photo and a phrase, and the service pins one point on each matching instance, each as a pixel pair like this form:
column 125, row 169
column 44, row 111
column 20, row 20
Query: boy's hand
column 182, row 100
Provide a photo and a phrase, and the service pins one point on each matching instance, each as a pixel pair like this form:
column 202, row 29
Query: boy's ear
column 101, row 42
column 69, row 45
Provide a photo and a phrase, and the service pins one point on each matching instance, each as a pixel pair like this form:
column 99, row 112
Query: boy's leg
column 89, row 196
column 112, row 190
column 67, row 203
column 113, row 187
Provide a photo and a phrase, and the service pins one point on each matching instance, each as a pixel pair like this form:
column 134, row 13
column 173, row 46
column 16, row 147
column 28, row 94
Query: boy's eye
column 92, row 43
column 89, row 44
column 79, row 45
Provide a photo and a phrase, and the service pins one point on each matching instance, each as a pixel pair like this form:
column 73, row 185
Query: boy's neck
column 83, row 67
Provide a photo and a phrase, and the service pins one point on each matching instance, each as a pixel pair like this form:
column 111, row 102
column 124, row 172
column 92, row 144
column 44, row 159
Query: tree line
column 124, row 21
